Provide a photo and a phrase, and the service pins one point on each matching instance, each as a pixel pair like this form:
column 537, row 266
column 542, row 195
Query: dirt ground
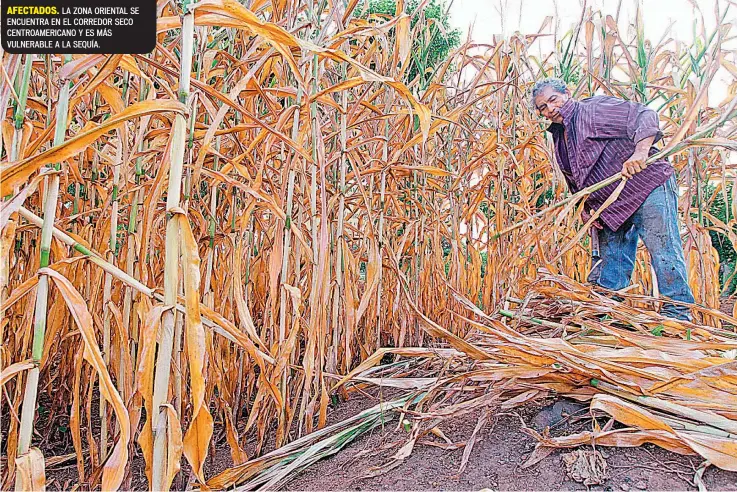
column 494, row 463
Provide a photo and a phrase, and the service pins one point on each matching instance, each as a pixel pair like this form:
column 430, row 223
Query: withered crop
column 209, row 237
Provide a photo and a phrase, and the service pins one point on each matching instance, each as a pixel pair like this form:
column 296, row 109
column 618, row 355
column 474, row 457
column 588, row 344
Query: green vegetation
column 720, row 210
column 430, row 48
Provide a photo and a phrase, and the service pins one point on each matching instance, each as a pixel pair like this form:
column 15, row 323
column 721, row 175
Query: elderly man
column 602, row 135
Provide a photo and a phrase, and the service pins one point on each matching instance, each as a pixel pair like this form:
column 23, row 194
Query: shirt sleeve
column 617, row 118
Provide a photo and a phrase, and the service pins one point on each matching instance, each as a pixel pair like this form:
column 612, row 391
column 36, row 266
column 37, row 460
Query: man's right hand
column 587, row 215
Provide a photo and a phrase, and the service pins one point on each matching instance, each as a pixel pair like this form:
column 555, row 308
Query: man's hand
column 638, row 161
column 587, row 215
column 634, row 164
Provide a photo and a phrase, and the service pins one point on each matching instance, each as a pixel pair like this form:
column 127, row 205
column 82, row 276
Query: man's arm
column 616, row 118
column 637, row 162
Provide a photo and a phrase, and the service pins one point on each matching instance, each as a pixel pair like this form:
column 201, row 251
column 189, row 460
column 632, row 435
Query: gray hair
column 557, row 84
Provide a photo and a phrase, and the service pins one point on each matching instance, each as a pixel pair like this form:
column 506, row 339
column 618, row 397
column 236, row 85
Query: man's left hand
column 634, row 165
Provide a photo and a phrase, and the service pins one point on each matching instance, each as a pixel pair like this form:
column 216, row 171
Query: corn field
column 200, row 243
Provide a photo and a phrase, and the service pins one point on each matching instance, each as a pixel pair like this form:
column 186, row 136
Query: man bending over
column 600, row 136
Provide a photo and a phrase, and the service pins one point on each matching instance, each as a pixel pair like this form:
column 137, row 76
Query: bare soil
column 495, row 461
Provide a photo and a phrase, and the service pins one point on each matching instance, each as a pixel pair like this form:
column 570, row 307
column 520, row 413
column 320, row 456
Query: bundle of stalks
column 673, row 384
column 200, row 238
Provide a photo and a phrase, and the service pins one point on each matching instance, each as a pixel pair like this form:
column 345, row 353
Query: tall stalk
column 210, row 296
column 42, row 290
column 287, row 243
column 106, row 296
column 129, row 317
column 13, row 154
column 19, row 114
column 171, row 268
column 382, row 204
column 339, row 238
column 18, row 118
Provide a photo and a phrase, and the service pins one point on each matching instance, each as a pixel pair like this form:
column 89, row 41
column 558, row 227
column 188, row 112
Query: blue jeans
column 656, row 222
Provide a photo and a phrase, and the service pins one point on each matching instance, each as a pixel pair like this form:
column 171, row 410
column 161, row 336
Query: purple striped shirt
column 600, row 135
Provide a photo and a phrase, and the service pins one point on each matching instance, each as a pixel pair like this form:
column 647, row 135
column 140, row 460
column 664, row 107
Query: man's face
column 549, row 101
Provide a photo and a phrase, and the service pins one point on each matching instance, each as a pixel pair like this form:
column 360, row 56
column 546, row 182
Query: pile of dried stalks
column 670, row 384
column 205, row 236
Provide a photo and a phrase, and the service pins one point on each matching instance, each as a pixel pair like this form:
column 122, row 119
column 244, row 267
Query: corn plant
column 204, row 237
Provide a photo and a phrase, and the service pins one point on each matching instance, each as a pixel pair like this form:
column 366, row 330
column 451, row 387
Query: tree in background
column 429, row 48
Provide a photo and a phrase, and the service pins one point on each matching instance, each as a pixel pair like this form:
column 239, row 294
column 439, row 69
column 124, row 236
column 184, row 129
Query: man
column 600, row 136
